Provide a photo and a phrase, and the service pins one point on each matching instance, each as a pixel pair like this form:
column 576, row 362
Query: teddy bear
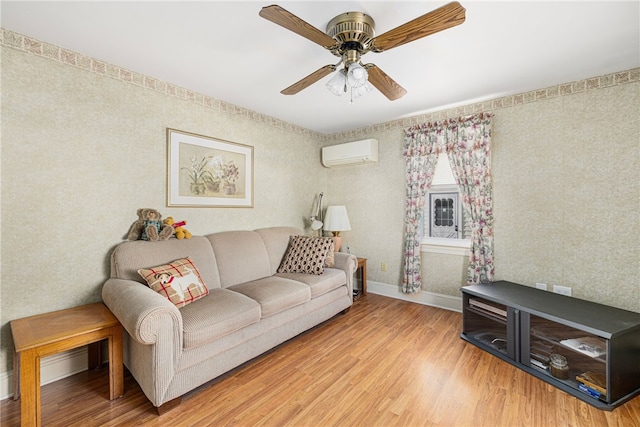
column 178, row 228
column 149, row 226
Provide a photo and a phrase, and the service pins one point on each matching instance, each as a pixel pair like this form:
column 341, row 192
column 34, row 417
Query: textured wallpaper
column 84, row 146
column 566, row 169
column 81, row 152
column 567, row 193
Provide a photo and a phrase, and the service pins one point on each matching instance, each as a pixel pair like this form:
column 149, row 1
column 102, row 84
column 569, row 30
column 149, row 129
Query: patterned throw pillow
column 178, row 281
column 306, row 255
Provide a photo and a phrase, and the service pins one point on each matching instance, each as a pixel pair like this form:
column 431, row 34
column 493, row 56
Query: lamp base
column 337, row 242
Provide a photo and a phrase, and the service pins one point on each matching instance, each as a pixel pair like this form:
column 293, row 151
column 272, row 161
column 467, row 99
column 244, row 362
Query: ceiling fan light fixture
column 357, row 75
column 336, row 84
column 357, row 92
column 352, row 80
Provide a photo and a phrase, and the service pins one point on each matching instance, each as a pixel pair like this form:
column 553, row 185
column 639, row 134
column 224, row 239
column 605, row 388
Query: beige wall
column 567, row 193
column 83, row 148
column 566, row 168
column 81, row 152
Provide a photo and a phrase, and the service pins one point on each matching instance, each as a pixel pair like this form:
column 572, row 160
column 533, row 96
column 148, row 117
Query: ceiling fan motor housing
column 354, row 31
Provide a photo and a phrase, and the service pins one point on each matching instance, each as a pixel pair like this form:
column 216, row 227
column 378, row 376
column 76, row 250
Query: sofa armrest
column 348, row 263
column 141, row 311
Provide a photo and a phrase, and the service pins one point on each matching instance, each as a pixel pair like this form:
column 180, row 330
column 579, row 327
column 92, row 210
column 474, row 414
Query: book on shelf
column 487, row 307
column 541, row 351
column 591, row 346
column 540, row 357
column 591, row 392
column 593, row 380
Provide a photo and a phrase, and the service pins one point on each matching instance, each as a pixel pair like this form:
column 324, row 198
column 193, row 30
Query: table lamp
column 335, row 221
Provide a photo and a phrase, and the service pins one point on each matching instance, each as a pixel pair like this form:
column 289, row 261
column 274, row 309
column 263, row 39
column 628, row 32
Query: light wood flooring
column 385, row 363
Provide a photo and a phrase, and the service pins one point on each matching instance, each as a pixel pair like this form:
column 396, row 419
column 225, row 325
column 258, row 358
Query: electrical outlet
column 542, row 286
column 563, row 290
column 383, row 266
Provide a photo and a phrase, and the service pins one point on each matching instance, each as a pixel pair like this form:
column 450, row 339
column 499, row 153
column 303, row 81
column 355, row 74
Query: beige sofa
column 250, row 307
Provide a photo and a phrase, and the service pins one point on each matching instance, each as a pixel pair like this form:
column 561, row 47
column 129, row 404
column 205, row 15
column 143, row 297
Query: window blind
column 443, row 174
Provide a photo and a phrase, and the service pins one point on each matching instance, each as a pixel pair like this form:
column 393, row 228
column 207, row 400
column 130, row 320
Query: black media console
column 589, row 350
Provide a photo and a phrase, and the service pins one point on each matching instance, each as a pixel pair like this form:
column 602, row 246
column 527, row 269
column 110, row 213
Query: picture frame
column 203, row 171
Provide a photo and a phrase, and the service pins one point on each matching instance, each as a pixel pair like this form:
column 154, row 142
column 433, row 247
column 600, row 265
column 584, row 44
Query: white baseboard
column 52, row 368
column 447, row 302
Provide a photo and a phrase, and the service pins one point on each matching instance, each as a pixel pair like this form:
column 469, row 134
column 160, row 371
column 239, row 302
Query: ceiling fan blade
column 286, row 19
column 384, row 83
column 309, row 80
column 444, row 17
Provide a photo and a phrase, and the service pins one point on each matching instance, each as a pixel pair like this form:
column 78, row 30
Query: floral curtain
column 421, row 149
column 467, row 143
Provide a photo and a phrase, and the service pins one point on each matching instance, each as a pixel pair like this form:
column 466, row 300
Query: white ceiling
column 225, row 50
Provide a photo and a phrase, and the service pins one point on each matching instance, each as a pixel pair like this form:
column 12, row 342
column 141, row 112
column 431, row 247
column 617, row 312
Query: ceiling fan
column 351, row 35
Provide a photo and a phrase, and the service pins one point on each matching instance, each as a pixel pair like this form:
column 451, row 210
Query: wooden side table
column 51, row 333
column 362, row 268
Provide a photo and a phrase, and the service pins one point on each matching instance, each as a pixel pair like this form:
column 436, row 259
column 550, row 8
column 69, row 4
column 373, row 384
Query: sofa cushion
column 319, row 284
column 179, row 281
column 274, row 294
column 221, row 313
column 306, row 255
column 241, row 256
column 276, row 240
column 129, row 257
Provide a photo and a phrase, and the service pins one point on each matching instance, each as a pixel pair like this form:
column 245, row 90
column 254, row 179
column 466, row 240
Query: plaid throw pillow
column 306, row 255
column 178, row 281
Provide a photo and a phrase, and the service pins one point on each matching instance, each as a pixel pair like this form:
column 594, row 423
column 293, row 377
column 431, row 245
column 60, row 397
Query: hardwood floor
column 385, row 363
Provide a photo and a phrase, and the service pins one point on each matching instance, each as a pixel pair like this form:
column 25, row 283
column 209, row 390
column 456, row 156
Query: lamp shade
column 353, row 79
column 356, row 75
column 337, row 83
column 359, row 91
column 336, row 219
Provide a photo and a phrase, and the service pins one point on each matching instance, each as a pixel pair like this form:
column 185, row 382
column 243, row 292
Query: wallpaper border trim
column 64, row 56
column 37, row 47
column 564, row 89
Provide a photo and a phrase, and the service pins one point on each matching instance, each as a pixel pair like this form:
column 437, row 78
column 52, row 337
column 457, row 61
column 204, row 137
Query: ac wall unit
column 350, row 153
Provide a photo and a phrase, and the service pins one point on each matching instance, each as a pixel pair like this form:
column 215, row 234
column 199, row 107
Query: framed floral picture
column 208, row 172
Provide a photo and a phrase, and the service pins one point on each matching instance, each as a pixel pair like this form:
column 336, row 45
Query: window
column 444, row 224
column 445, row 215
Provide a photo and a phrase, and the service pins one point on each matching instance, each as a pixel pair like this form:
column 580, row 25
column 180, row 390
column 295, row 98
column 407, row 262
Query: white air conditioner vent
column 350, row 153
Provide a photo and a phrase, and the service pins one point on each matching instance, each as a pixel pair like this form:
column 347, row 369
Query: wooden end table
column 51, row 333
column 362, row 267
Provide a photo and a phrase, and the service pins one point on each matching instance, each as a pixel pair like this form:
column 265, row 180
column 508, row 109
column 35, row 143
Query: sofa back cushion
column 276, row 240
column 129, row 257
column 241, row 255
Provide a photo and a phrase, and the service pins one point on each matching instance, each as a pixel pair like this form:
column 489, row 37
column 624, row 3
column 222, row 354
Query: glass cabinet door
column 490, row 324
column 572, row 356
